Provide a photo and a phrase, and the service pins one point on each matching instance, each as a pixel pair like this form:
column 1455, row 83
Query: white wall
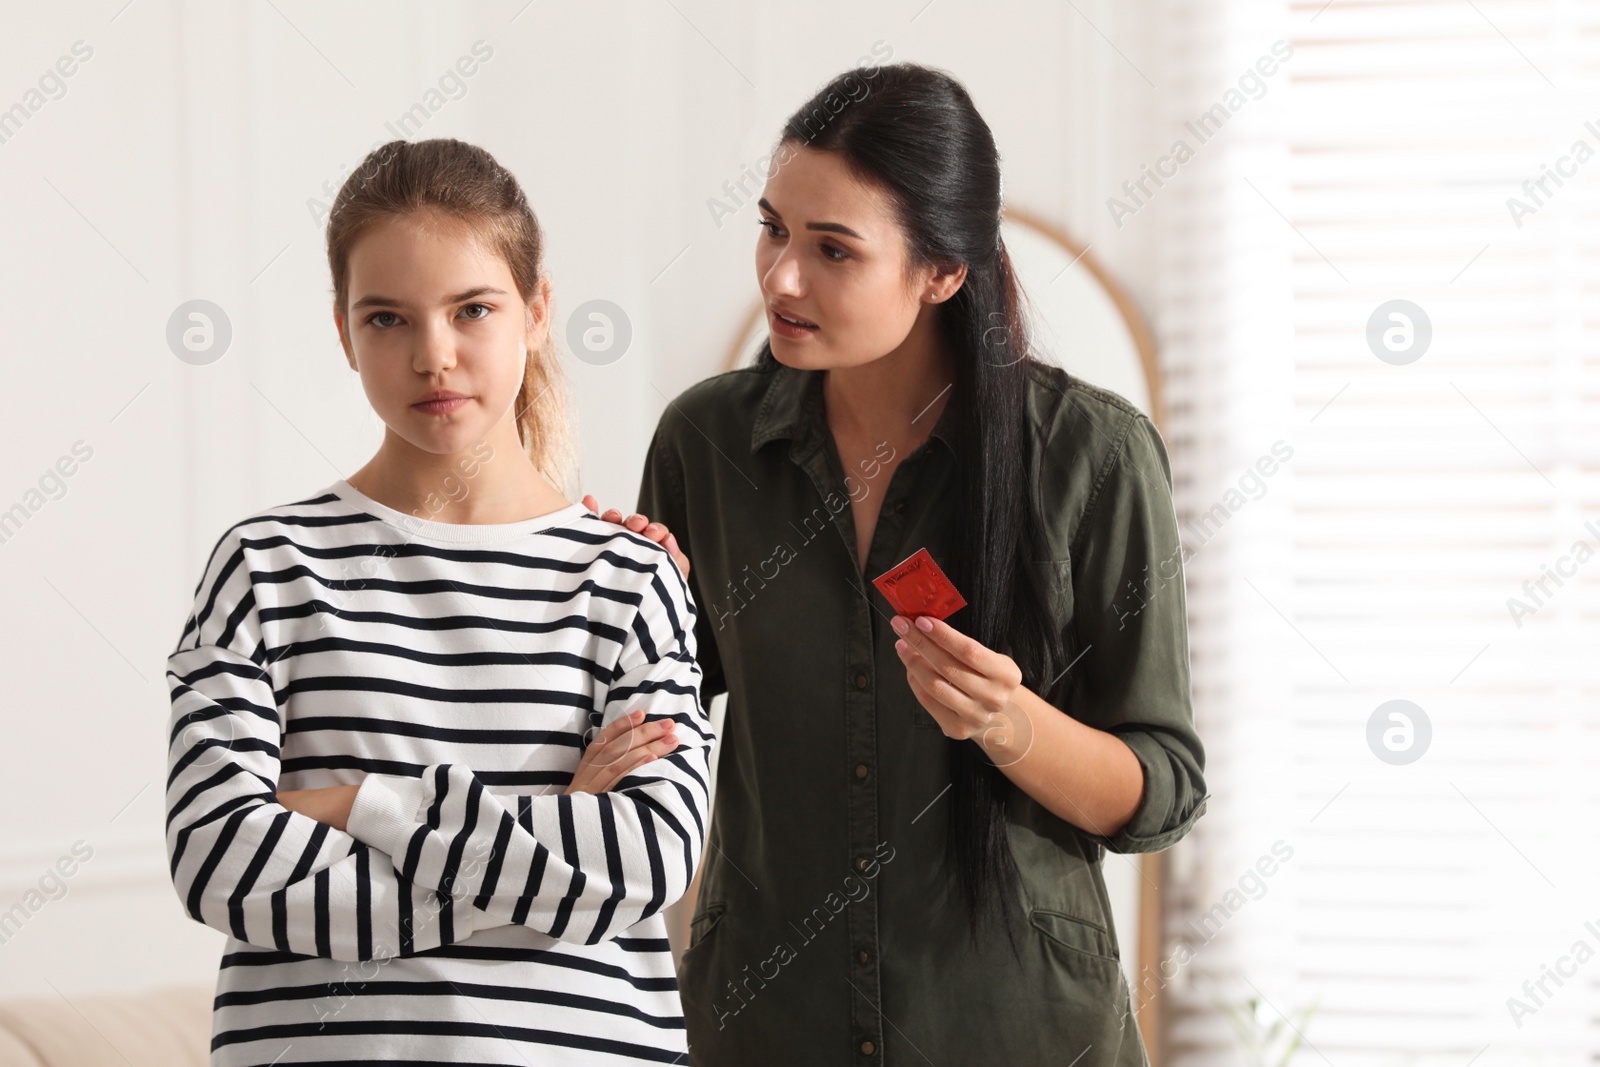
column 178, row 165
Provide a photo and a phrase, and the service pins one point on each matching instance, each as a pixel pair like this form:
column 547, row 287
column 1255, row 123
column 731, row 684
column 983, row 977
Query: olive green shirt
column 830, row 926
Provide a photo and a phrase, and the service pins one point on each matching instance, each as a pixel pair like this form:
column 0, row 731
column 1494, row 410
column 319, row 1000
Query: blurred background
column 1354, row 248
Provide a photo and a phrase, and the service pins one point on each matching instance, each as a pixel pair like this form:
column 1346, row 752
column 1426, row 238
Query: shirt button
column 861, row 863
column 901, row 506
column 868, row 1048
column 861, row 770
column 863, row 956
column 861, row 680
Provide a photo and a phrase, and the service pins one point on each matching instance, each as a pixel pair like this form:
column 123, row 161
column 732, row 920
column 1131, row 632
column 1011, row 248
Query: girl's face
column 432, row 308
column 832, row 255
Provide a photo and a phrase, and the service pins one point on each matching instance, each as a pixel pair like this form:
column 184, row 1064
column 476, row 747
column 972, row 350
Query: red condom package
column 916, row 586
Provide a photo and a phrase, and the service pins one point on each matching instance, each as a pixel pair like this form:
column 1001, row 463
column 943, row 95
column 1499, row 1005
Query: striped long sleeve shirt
column 473, row 912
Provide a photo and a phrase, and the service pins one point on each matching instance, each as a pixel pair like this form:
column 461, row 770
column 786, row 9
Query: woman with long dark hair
column 911, row 813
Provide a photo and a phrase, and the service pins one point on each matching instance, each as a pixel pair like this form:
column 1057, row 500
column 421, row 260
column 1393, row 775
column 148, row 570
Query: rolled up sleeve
column 1128, row 638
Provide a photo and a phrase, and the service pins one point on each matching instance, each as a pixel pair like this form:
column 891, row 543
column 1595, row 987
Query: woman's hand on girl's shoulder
column 641, row 524
column 619, row 748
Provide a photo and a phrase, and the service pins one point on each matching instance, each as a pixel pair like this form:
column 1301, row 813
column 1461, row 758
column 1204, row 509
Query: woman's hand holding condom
column 971, row 691
column 641, row 525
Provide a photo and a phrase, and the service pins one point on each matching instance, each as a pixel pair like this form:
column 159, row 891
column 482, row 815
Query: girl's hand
column 330, row 805
column 639, row 524
column 621, row 747
column 968, row 688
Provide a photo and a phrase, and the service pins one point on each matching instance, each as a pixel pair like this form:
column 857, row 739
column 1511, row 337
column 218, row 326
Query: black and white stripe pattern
column 473, row 913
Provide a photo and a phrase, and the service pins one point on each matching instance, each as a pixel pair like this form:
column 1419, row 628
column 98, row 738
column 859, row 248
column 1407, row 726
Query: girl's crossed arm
column 616, row 750
column 420, row 849
column 577, row 866
column 241, row 862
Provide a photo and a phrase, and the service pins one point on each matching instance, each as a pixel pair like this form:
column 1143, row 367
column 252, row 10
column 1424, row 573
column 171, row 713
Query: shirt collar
column 792, row 407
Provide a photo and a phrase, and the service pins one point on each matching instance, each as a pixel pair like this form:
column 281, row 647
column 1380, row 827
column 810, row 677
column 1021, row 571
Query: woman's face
column 831, row 254
column 431, row 307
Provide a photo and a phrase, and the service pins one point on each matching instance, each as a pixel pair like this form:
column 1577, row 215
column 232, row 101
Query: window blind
column 1438, row 910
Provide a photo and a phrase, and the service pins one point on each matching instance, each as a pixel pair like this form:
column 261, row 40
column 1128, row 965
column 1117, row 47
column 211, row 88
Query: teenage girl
column 437, row 755
column 912, row 813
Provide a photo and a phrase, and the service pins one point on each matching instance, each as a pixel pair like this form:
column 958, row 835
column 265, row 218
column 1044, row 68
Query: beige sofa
column 168, row 1027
